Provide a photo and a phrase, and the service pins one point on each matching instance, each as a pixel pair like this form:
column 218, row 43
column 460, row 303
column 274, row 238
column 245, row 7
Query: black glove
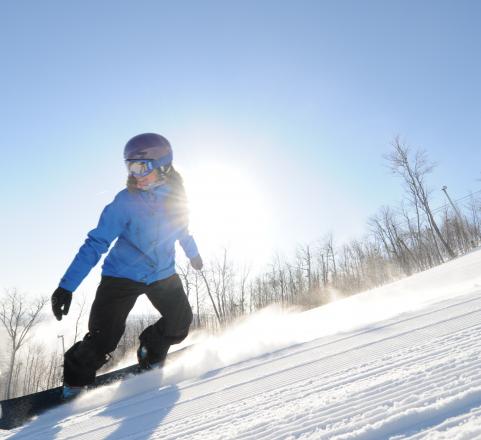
column 61, row 300
column 197, row 263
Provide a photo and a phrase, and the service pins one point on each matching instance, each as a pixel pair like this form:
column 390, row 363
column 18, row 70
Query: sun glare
column 227, row 210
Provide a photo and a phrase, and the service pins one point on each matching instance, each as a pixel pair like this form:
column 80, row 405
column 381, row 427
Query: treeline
column 400, row 240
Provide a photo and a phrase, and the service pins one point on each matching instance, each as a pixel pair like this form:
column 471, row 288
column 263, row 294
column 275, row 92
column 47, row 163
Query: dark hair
column 176, row 203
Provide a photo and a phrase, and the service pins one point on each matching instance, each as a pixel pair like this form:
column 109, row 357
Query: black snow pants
column 114, row 299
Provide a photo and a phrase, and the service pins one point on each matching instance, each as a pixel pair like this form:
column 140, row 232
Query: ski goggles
column 143, row 167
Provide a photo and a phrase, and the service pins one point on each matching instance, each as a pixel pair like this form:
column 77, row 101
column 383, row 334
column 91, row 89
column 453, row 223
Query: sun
column 229, row 211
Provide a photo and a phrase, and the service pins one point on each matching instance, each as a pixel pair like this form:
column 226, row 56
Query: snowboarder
column 147, row 218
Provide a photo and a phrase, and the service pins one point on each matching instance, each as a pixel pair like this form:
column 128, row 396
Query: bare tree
column 80, row 315
column 475, row 221
column 305, row 259
column 192, row 282
column 385, row 226
column 413, row 171
column 18, row 316
column 217, row 314
column 185, row 275
column 244, row 276
column 198, row 298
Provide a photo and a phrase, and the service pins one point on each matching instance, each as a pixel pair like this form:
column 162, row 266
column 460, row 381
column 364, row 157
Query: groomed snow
column 398, row 362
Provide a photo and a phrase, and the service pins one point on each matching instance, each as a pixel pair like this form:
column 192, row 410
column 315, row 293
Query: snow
column 398, row 362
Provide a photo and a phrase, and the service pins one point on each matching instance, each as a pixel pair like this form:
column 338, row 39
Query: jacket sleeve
column 180, row 215
column 188, row 243
column 112, row 222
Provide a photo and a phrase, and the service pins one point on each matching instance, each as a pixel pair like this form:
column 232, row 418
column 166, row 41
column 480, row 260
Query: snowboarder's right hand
column 61, row 300
column 197, row 263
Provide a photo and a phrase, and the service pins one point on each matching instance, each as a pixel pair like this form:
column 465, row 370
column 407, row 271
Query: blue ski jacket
column 146, row 232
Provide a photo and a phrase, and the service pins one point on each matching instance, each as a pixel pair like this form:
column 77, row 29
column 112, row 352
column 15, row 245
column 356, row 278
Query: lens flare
column 229, row 211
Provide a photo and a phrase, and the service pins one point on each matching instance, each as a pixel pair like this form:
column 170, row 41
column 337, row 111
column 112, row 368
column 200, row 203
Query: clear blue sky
column 302, row 96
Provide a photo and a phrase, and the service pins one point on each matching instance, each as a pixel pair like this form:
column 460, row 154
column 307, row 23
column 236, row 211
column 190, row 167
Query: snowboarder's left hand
column 197, row 263
column 61, row 300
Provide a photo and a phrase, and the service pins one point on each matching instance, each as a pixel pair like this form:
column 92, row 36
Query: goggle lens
column 139, row 168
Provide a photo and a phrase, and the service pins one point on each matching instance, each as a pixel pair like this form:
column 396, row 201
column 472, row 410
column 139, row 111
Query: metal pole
column 466, row 236
column 445, row 190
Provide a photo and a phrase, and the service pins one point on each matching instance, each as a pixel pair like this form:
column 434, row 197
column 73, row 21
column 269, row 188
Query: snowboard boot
column 153, row 347
column 143, row 358
column 149, row 359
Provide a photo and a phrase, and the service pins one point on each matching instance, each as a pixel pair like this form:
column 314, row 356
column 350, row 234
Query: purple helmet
column 149, row 146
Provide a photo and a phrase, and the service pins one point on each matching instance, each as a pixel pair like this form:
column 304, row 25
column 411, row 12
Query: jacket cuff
column 64, row 284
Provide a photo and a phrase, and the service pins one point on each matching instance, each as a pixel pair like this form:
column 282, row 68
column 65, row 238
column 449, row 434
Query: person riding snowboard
column 147, row 218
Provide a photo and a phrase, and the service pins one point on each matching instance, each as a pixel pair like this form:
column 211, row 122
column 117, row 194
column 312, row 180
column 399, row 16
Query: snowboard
column 18, row 410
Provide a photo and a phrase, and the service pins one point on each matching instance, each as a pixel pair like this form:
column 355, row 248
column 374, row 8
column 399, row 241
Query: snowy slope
column 399, row 362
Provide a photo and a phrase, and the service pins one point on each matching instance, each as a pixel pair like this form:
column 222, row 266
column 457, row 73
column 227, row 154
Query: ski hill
column 398, row 362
